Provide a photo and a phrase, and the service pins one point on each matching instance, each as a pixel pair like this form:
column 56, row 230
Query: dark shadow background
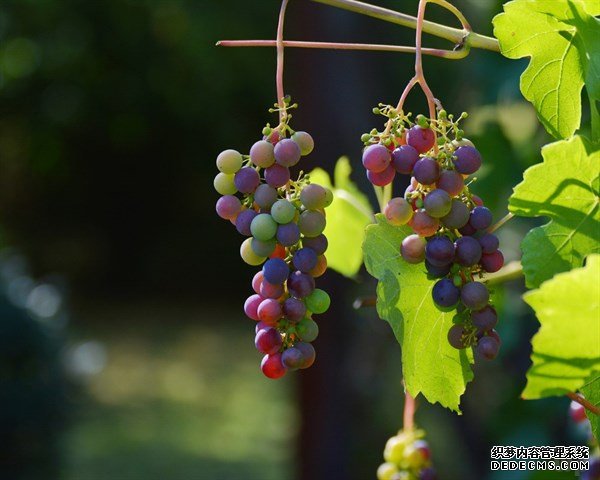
column 112, row 113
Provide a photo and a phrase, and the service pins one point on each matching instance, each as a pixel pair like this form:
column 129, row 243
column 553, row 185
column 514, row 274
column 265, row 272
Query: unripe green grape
column 263, row 248
column 307, row 329
column 413, row 458
column 224, row 184
column 328, row 197
column 437, row 203
column 394, row 449
column 283, row 211
column 304, row 141
column 229, row 161
column 386, row 471
column 318, row 301
column 311, row 223
column 263, row 227
column 248, row 254
column 313, row 196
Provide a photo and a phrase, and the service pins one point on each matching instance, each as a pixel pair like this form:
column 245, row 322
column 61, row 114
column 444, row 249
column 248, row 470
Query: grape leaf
column 430, row 365
column 347, row 218
column 560, row 36
column 591, row 391
column 563, row 187
column 566, row 349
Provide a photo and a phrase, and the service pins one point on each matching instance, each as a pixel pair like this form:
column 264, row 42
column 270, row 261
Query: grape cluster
column 284, row 221
column 578, row 415
column 448, row 221
column 407, row 457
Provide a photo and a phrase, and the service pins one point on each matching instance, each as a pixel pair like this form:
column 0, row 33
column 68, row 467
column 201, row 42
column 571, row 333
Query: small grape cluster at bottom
column 407, row 457
column 284, row 221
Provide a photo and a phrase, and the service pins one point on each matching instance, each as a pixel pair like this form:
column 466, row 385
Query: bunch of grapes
column 284, row 221
column 407, row 457
column 448, row 221
column 578, row 415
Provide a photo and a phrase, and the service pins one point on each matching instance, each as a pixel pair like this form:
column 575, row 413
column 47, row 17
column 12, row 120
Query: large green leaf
column 565, row 188
column 566, row 349
column 429, row 364
column 561, row 37
column 347, row 218
column 591, row 391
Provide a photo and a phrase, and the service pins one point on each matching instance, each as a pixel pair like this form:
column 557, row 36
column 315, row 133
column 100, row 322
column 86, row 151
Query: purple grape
column 265, row 196
column 272, row 366
column 467, row 230
column 458, row 216
column 445, row 293
column 228, row 206
column 300, row 284
column 467, row 161
column 439, row 251
column 251, row 306
column 311, row 223
column 423, row 224
column 489, row 243
column 474, row 295
column 268, row 341
column 261, row 154
column 376, row 158
column 468, row 251
column 404, row 159
column 421, row 139
column 243, row 221
column 294, row 309
column 313, row 196
column 426, row 171
column 437, row 203
column 308, row 353
column 485, row 319
column 492, row 262
column 305, row 259
column 481, row 218
column 246, row 180
column 288, row 234
column 437, row 272
column 456, row 336
column 381, row 179
column 287, row 152
column 292, row 358
column 268, row 290
column 275, row 270
column 261, row 326
column 487, row 348
column 413, row 249
column 593, row 473
column 319, row 243
column 277, row 176
column 428, row 474
column 451, row 182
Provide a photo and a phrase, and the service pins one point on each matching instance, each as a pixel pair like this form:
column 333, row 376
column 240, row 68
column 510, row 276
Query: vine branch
column 280, row 62
column 455, row 35
column 374, row 47
column 410, row 406
column 584, row 403
column 510, row 271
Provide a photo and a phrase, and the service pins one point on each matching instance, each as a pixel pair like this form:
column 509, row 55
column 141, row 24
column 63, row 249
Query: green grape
column 263, row 227
column 328, row 197
column 311, row 223
column 224, row 184
column 394, row 449
column 413, row 458
column 263, row 248
column 248, row 254
column 229, row 161
column 283, row 211
column 307, row 329
column 386, row 471
column 304, row 141
column 318, row 301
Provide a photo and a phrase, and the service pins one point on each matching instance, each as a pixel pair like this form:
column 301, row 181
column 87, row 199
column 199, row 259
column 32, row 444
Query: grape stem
column 455, row 35
column 410, row 406
column 280, row 62
column 500, row 222
column 584, row 403
column 435, row 52
column 510, row 271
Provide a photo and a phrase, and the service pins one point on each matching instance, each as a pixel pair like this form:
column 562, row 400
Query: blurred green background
column 124, row 351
